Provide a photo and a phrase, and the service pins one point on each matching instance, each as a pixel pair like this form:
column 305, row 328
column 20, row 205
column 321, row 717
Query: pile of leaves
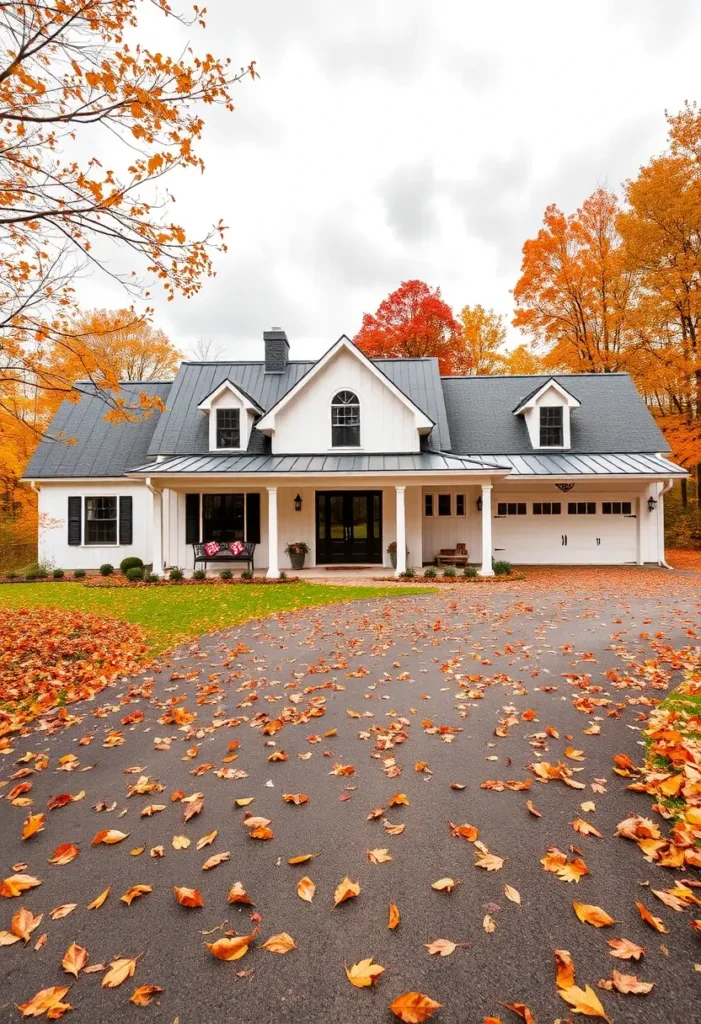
column 61, row 657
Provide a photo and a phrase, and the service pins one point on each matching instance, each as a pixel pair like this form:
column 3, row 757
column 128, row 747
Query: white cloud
column 389, row 141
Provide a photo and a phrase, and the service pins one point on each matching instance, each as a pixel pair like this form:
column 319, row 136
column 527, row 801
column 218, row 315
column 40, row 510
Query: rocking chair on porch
column 453, row 556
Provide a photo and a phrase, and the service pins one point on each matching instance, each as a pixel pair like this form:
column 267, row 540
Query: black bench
column 224, row 554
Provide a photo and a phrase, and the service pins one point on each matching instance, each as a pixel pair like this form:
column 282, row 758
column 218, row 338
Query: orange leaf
column 650, row 919
column 109, row 836
column 15, row 885
column 414, row 1007
column 118, row 972
column 134, row 893
column 24, row 923
column 45, row 1001
column 33, row 824
column 589, row 914
column 345, row 890
column 188, row 897
column 393, row 916
column 231, row 949
column 75, row 959
column 64, row 854
column 143, row 995
column 99, row 900
column 364, row 974
column 624, row 949
column 564, row 967
column 215, row 860
column 281, row 943
column 306, row 889
column 237, row 894
column 583, row 1001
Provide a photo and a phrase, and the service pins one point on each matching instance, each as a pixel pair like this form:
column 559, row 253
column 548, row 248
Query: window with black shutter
column 126, row 528
column 192, row 519
column 75, row 520
column 101, row 520
column 253, row 518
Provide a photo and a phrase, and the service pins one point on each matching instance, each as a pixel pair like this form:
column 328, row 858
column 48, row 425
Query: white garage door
column 582, row 532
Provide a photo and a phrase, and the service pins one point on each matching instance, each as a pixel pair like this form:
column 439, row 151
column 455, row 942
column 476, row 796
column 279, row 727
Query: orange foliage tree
column 75, row 80
column 576, row 293
column 480, row 349
column 412, row 321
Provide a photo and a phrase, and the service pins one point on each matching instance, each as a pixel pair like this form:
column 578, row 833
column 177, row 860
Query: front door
column 348, row 527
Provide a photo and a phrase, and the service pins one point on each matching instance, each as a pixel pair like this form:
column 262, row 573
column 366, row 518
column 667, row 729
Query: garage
column 588, row 530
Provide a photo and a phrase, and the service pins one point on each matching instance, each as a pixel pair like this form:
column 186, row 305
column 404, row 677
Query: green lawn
column 170, row 615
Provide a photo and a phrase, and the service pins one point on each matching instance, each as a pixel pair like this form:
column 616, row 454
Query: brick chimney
column 277, row 350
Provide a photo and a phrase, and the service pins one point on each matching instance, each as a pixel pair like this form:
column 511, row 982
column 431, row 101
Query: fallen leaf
column 118, row 972
column 99, row 900
column 489, row 924
column 345, row 890
column 398, row 799
column 650, row 919
column 295, row 798
column 134, row 893
column 206, row 840
column 533, row 810
column 33, row 824
column 281, row 943
column 490, row 862
column 64, row 854
column 564, row 968
column 143, row 995
column 624, row 949
column 63, row 911
column 590, row 914
column 585, row 829
column 444, row 885
column 512, row 894
column 237, row 894
column 231, row 949
column 442, row 947
column 302, row 858
column 583, row 1001
column 306, row 889
column 48, row 1000
column 109, row 836
column 180, row 842
column 24, row 923
column 521, row 1010
column 244, row 801
column 378, row 856
column 188, row 897
column 15, row 885
column 393, row 916
column 74, row 959
column 364, row 974
column 626, row 984
column 215, row 860
column 414, row 1007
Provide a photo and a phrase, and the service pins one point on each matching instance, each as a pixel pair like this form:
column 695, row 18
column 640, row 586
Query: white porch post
column 401, row 530
column 157, row 540
column 273, row 568
column 486, row 569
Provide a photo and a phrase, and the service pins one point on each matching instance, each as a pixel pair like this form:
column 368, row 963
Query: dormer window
column 228, row 428
column 551, row 426
column 345, row 420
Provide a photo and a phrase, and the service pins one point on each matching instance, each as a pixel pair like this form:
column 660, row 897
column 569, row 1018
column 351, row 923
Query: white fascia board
column 572, row 402
column 227, row 385
column 267, row 422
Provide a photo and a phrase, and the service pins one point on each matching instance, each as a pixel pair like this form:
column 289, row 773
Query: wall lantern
column 479, row 503
column 651, row 504
column 298, row 503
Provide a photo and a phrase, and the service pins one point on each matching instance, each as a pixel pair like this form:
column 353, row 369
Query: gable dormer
column 232, row 414
column 546, row 412
column 344, row 403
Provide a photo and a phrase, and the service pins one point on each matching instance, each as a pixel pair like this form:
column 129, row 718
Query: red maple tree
column 412, row 321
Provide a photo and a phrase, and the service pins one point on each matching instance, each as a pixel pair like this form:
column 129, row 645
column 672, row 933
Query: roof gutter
column 34, row 486
column 152, row 489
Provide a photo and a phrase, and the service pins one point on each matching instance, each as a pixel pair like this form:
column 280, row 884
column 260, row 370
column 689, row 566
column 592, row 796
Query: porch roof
column 569, row 464
column 416, row 462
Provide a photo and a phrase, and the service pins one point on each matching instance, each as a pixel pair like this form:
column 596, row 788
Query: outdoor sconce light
column 298, row 503
column 651, row 504
column 479, row 503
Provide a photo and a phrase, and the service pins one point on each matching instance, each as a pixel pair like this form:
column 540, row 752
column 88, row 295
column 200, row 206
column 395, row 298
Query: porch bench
column 458, row 555
column 224, row 555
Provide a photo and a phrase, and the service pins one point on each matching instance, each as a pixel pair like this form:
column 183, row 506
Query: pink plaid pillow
column 211, row 548
column 237, row 547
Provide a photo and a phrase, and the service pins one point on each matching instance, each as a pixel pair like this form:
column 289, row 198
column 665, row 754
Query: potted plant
column 392, row 551
column 297, row 550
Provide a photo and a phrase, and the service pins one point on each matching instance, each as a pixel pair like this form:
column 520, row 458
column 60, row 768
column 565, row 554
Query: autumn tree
column 113, row 344
column 480, row 348
column 523, row 360
column 576, row 292
column 412, row 321
column 94, row 120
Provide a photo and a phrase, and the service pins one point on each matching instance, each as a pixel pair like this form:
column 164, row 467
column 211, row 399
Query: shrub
column 79, row 574
column 470, row 571
column 106, row 569
column 245, row 575
column 199, row 574
column 151, row 577
column 175, row 575
column 134, row 573
column 282, row 576
column 12, row 576
column 132, row 562
column 430, row 572
column 450, row 570
column 37, row 571
column 408, row 574
column 226, row 574
column 501, row 568
column 58, row 574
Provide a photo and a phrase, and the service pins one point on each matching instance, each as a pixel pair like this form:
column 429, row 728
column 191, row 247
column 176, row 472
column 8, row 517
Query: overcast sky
column 387, row 140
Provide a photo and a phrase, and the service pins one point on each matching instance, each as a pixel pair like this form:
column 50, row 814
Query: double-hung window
column 551, row 426
column 101, row 520
column 228, row 428
column 345, row 420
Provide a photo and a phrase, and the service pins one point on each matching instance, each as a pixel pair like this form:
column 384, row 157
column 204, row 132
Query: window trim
column 610, row 511
column 226, row 448
column 519, row 505
column 83, row 518
column 587, row 512
column 551, row 511
column 541, row 426
column 346, row 447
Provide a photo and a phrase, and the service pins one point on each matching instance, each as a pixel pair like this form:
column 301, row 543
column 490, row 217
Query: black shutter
column 253, row 518
column 192, row 518
column 126, row 530
column 74, row 520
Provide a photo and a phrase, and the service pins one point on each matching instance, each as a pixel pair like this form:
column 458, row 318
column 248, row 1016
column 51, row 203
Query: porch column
column 486, row 569
column 157, row 539
column 401, row 531
column 273, row 568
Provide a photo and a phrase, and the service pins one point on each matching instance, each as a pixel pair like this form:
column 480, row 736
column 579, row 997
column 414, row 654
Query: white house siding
column 447, row 531
column 303, row 426
column 53, row 539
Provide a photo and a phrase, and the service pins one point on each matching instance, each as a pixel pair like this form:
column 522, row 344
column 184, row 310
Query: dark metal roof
column 563, row 464
column 102, row 448
column 418, row 462
column 184, row 430
column 612, row 416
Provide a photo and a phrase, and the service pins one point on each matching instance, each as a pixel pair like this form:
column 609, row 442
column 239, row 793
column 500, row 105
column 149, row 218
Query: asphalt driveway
column 398, row 683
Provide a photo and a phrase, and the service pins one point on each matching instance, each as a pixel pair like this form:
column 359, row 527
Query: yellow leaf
column 379, row 856
column 244, row 801
column 444, row 885
column 583, row 1001
column 345, row 890
column 118, row 972
column 180, row 842
column 134, row 893
column 15, row 885
column 590, row 914
column 512, row 894
column 490, row 862
column 281, row 943
column 215, row 860
column 97, row 903
column 48, row 1000
column 489, row 924
column 442, row 947
column 75, row 959
column 364, row 974
column 206, row 840
column 303, row 858
column 564, row 967
column 33, row 824
column 306, row 889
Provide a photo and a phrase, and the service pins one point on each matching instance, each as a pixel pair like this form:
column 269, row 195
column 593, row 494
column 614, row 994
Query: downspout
column 157, row 496
column 660, row 525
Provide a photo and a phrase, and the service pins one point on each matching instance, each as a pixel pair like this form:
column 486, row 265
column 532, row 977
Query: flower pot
column 297, row 559
column 393, row 559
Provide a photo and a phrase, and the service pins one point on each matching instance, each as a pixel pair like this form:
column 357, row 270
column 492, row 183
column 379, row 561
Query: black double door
column 348, row 527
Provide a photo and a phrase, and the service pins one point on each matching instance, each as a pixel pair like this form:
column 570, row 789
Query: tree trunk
column 685, row 493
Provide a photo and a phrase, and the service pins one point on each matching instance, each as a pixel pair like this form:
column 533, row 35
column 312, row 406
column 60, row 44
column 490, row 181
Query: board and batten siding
column 303, row 426
column 53, row 525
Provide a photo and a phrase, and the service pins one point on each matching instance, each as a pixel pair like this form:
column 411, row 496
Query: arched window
column 345, row 420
